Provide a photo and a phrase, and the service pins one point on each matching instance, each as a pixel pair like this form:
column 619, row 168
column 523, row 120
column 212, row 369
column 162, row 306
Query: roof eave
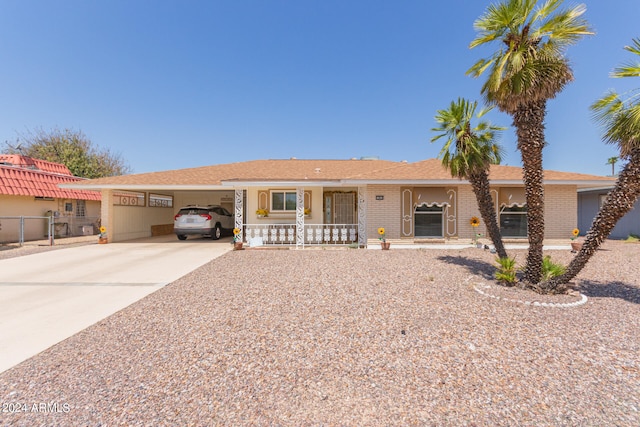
column 141, row 187
column 282, row 184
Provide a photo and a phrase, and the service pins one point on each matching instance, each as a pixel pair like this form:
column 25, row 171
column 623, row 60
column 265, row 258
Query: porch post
column 238, row 209
column 300, row 217
column 106, row 213
column 362, row 217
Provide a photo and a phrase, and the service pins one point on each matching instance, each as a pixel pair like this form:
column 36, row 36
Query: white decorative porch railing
column 314, row 234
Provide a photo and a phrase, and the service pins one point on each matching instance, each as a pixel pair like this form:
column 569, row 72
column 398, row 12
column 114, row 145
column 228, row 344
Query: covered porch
column 301, row 216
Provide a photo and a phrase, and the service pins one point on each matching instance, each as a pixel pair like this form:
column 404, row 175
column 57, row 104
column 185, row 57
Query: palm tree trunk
column 529, row 123
column 619, row 201
column 480, row 184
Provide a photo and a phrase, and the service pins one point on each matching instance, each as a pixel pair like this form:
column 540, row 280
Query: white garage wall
column 203, row 198
column 132, row 222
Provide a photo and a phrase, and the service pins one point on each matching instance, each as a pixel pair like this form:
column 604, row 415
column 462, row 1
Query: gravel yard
column 349, row 337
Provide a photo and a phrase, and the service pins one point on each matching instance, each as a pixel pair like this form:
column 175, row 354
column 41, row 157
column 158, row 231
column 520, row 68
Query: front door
column 340, row 208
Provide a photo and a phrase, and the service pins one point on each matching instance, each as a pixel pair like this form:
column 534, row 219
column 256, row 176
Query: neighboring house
column 335, row 201
column 29, row 188
column 589, row 202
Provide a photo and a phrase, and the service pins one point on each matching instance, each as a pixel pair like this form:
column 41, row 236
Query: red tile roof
column 24, row 176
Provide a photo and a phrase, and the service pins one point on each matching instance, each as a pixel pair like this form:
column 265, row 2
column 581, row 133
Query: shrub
column 506, row 271
column 632, row 238
column 551, row 269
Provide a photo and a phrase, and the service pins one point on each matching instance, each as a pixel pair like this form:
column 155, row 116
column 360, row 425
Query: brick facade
column 384, row 203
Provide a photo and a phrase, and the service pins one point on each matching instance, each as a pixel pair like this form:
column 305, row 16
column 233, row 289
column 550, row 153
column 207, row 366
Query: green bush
column 506, row 271
column 551, row 269
column 632, row 238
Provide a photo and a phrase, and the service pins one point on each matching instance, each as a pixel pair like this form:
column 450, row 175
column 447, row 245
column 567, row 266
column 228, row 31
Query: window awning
column 431, row 196
column 512, row 196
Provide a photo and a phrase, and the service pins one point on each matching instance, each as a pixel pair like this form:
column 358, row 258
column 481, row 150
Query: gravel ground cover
column 348, row 337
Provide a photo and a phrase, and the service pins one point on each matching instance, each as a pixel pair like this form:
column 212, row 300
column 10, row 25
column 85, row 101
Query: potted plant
column 102, row 236
column 237, row 240
column 575, row 246
column 383, row 239
column 262, row 213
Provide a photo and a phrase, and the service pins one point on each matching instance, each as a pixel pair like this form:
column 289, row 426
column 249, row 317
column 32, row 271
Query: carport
column 137, row 213
column 139, row 206
column 143, row 205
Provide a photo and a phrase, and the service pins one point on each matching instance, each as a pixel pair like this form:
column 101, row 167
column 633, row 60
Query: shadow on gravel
column 619, row 290
column 474, row 266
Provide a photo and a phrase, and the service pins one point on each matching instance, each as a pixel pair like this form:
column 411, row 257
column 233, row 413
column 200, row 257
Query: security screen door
column 340, row 208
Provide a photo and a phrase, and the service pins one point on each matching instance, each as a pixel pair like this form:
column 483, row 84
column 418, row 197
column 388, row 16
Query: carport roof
column 318, row 172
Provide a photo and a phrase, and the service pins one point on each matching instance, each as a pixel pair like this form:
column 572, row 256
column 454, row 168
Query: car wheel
column 182, row 237
column 217, row 232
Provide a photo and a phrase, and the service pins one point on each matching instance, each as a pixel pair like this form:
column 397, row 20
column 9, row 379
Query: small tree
column 620, row 119
column 468, row 152
column 72, row 149
column 528, row 68
column 612, row 161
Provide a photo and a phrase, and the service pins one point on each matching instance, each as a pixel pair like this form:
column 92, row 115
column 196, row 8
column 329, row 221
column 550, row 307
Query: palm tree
column 612, row 161
column 468, row 153
column 528, row 69
column 620, row 119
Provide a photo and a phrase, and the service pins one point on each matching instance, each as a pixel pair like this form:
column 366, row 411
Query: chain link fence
column 21, row 229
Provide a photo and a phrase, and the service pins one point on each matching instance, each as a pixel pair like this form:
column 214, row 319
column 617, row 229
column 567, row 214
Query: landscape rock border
column 581, row 301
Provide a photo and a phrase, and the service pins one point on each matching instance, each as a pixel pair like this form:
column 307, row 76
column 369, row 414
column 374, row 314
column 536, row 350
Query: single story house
column 589, row 202
column 320, row 202
column 29, row 193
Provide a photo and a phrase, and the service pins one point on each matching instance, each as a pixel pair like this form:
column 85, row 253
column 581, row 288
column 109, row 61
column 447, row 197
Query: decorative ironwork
column 238, row 219
column 362, row 216
column 315, row 234
column 300, row 216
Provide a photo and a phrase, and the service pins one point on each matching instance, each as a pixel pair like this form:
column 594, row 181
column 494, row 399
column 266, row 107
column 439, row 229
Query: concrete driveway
column 49, row 296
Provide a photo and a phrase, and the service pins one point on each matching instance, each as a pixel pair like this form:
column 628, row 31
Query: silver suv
column 202, row 220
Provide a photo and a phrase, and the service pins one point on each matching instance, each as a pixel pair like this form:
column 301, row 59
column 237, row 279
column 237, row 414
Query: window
column 160, row 201
column 283, row 201
column 128, row 198
column 513, row 221
column 81, row 207
column 428, row 221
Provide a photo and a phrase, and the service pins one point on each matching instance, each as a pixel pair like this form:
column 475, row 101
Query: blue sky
column 178, row 84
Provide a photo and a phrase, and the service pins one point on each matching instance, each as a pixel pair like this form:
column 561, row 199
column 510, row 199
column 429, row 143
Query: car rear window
column 193, row 211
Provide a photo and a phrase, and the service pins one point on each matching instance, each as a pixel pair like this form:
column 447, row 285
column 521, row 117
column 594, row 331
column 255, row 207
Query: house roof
column 433, row 170
column 25, row 176
column 319, row 172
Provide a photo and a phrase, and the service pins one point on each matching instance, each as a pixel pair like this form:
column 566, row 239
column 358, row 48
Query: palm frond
column 530, row 65
column 467, row 148
column 635, row 48
column 620, row 121
column 566, row 27
column 629, row 69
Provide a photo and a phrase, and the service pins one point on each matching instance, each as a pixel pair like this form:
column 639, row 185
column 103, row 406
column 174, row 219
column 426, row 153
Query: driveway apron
column 47, row 297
